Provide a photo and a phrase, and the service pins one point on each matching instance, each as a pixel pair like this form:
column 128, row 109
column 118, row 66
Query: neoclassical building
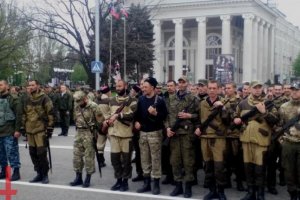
column 190, row 34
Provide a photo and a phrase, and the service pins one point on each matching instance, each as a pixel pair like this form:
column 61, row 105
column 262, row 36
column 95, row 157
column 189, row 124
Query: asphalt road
column 59, row 189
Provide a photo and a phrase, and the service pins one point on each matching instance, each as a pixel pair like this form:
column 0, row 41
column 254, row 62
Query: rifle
column 245, row 118
column 286, row 127
column 176, row 125
column 94, row 134
column 118, row 111
column 47, row 142
column 212, row 116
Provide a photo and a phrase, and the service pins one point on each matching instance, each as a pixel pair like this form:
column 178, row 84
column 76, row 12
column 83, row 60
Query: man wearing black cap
column 183, row 109
column 151, row 112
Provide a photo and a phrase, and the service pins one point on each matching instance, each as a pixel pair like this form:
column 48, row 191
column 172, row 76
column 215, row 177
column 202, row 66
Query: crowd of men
column 250, row 131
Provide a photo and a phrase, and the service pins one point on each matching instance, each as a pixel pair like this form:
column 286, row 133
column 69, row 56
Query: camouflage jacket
column 258, row 129
column 177, row 104
column 89, row 116
column 37, row 113
column 287, row 111
column 103, row 103
column 217, row 127
column 14, row 124
column 122, row 127
column 233, row 102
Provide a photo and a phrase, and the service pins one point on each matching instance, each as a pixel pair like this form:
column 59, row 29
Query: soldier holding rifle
column 183, row 112
column 255, row 138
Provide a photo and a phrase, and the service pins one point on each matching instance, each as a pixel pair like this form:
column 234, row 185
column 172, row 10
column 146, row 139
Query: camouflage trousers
column 182, row 156
column 38, row 152
column 150, row 147
column 213, row 151
column 84, row 152
column 291, row 164
column 121, row 149
column 9, row 151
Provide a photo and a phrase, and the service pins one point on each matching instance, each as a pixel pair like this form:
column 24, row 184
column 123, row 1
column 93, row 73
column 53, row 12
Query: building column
column 157, row 68
column 255, row 49
column 247, row 49
column 265, row 68
column 178, row 47
column 226, row 34
column 200, row 69
column 260, row 50
column 271, row 53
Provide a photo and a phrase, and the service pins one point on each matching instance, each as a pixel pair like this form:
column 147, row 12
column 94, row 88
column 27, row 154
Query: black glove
column 49, row 132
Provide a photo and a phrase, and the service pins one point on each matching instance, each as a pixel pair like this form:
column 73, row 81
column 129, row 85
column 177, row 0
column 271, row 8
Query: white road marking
column 107, row 149
column 64, row 187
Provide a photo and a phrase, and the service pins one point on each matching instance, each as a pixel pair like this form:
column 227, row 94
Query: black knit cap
column 136, row 88
column 104, row 89
column 152, row 81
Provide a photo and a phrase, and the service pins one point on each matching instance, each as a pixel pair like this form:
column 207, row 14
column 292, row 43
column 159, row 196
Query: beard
column 121, row 92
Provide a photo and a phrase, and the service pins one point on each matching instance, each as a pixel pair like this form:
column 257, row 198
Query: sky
column 289, row 7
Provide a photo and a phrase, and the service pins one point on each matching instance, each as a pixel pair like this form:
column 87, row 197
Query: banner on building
column 224, row 68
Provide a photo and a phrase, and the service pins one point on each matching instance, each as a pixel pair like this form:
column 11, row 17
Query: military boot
column 212, row 193
column 146, row 187
column 293, row 195
column 45, row 179
column 77, row 180
column 260, row 193
column 117, row 185
column 16, row 175
column 87, row 181
column 188, row 190
column 251, row 194
column 37, row 178
column 221, row 193
column 3, row 173
column 124, row 185
column 156, row 188
column 168, row 180
column 139, row 177
column 177, row 190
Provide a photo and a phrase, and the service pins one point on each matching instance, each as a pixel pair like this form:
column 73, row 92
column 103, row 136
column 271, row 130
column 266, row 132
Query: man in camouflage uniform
column 120, row 134
column 87, row 116
column 150, row 116
column 213, row 142
column 274, row 151
column 54, row 96
column 234, row 155
column 256, row 138
column 10, row 124
column 291, row 144
column 38, row 123
column 103, row 103
column 65, row 108
column 287, row 91
column 184, row 107
column 169, row 96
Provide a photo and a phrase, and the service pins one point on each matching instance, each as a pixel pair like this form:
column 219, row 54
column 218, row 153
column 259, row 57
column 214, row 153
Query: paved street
column 63, row 174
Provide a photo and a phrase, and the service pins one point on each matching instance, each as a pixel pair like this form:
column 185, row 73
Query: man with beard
column 151, row 112
column 122, row 108
column 38, row 122
column 10, row 124
column 255, row 138
column 184, row 107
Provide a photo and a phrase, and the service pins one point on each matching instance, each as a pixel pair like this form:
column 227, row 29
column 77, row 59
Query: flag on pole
column 113, row 11
column 124, row 12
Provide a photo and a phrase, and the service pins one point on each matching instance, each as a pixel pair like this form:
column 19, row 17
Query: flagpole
column 97, row 41
column 110, row 52
column 125, row 74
